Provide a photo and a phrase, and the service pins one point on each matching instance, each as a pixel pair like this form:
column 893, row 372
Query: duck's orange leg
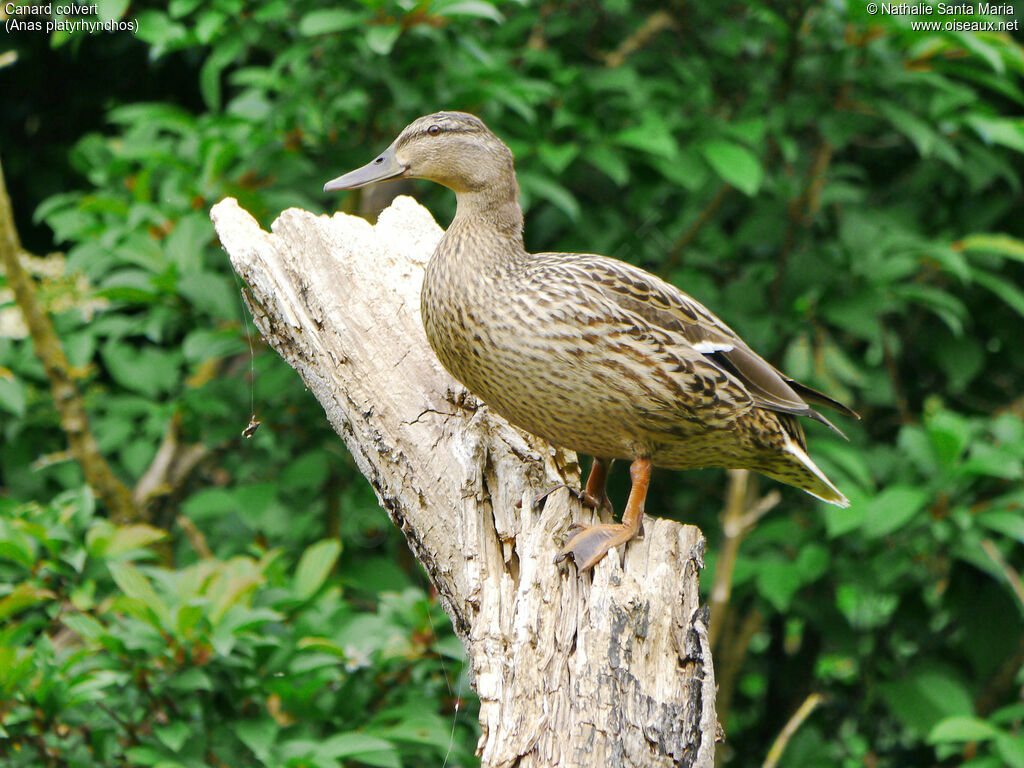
column 592, row 543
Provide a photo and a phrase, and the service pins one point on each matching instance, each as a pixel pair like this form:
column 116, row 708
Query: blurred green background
column 843, row 190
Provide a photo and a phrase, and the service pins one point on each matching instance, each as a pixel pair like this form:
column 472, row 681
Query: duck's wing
column 665, row 307
column 677, row 390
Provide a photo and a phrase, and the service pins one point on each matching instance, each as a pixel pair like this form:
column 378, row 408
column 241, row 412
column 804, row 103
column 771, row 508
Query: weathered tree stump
column 611, row 668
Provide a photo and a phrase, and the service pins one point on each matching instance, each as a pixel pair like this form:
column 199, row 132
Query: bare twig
column 655, row 23
column 803, row 208
column 173, row 463
column 797, row 14
column 993, row 694
column 195, row 537
column 1011, row 575
column 734, row 643
column 792, row 725
column 66, row 397
column 706, row 214
column 738, row 518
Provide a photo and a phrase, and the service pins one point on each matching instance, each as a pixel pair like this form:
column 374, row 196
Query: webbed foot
column 591, row 543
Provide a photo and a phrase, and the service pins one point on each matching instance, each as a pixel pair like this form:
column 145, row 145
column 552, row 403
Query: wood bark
column 608, row 668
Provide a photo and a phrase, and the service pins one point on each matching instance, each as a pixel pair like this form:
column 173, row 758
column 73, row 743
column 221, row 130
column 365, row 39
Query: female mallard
column 588, row 352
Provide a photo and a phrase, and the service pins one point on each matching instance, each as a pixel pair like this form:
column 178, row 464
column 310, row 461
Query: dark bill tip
column 385, row 166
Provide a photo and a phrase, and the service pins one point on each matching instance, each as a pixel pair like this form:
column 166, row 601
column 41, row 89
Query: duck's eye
column 434, row 130
column 379, row 160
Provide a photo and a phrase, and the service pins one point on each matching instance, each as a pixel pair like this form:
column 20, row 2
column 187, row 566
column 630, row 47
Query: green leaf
column 172, row 735
column 191, row 680
column 960, row 728
column 224, row 54
column 214, row 294
column 148, row 370
column 949, row 434
column 1005, row 522
column 381, row 40
column 97, row 685
column 923, row 696
column 557, row 157
column 19, row 550
column 910, row 125
column 132, row 537
column 12, row 396
column 258, row 735
column 205, row 344
column 476, row 8
column 315, row 566
column 16, row 665
column 83, row 625
column 360, row 747
column 778, row 581
column 735, row 164
column 865, row 608
column 993, row 461
column 543, row 187
column 1003, row 288
column 1005, row 131
column 21, row 597
column 416, row 727
column 134, row 584
column 893, row 508
column 962, row 359
column 976, row 43
column 307, row 472
column 1011, row 749
column 328, row 21
column 156, row 28
column 609, row 162
column 111, row 10
column 651, row 136
column 1003, row 245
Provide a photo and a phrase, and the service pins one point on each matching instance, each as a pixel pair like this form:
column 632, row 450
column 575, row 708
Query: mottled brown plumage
column 588, row 352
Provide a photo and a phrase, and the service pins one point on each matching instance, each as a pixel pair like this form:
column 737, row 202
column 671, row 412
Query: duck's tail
column 798, row 470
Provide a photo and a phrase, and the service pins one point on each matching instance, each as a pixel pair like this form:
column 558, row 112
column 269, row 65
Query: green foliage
column 107, row 659
column 841, row 189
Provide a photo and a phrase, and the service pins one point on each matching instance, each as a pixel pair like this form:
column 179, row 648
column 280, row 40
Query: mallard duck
column 585, row 351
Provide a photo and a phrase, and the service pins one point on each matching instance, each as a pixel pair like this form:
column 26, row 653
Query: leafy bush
column 107, row 659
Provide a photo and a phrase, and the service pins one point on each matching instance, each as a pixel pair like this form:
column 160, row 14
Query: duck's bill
column 385, row 166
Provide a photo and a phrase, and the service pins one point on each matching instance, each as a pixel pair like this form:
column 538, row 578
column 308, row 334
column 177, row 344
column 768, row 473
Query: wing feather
column 665, row 307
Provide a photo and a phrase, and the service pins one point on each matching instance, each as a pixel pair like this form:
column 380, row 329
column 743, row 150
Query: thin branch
column 1011, row 575
column 173, row 463
column 66, row 397
column 706, row 214
column 995, row 690
column 797, row 14
column 655, row 23
column 803, row 208
column 738, row 518
column 792, row 725
column 735, row 641
column 195, row 537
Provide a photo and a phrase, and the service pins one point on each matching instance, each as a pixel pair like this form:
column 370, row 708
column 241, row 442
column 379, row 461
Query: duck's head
column 451, row 148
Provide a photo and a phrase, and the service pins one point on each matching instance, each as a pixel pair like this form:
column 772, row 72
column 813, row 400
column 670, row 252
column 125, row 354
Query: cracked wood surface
column 612, row 668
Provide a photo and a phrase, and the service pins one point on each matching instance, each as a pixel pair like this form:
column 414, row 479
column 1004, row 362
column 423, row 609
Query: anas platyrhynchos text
column 588, row 352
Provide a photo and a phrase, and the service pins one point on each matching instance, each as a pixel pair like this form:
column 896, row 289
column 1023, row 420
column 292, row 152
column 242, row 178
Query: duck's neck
column 491, row 209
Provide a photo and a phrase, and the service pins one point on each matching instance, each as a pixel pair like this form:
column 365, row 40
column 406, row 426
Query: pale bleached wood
column 611, row 668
